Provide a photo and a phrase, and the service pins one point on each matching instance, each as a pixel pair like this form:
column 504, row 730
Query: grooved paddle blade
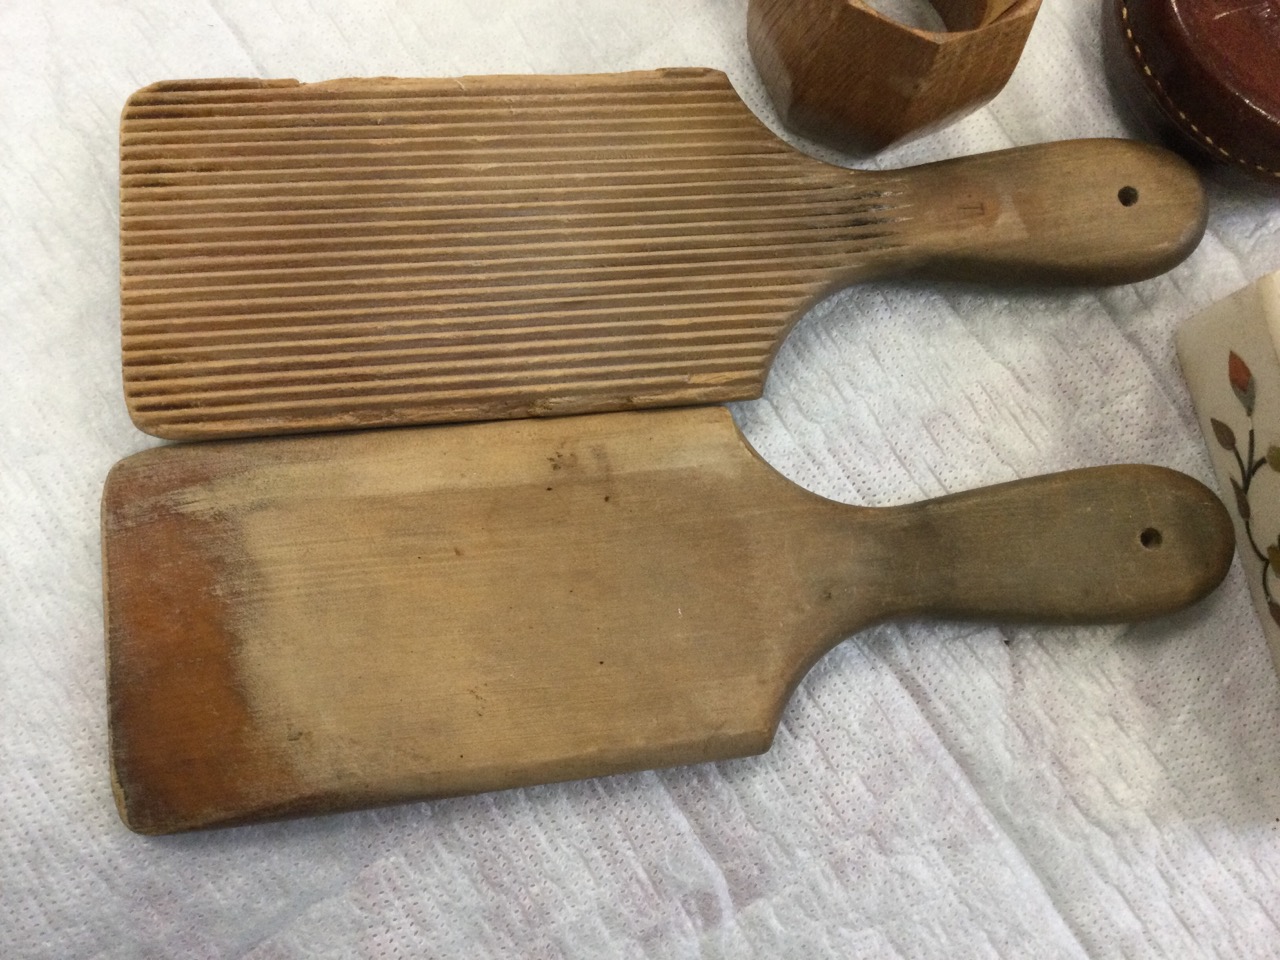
column 300, row 257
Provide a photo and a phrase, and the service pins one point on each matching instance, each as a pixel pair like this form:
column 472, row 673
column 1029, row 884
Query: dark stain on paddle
column 182, row 755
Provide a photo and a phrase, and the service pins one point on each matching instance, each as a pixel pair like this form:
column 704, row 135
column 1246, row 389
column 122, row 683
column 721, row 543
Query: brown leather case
column 1204, row 74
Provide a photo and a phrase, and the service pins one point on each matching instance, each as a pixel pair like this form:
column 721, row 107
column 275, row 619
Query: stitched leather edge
column 1195, row 131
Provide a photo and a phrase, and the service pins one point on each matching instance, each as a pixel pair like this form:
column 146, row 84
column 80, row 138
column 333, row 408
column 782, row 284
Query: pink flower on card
column 1241, row 381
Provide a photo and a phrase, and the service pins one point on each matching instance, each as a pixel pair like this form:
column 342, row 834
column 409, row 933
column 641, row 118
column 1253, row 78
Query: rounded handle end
column 1100, row 545
column 1147, row 206
column 1094, row 212
column 1180, row 540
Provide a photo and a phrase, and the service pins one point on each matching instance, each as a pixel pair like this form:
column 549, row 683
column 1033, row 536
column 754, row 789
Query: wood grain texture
column 300, row 257
column 301, row 625
column 846, row 75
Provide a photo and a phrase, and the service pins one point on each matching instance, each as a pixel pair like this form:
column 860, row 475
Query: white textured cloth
column 936, row 790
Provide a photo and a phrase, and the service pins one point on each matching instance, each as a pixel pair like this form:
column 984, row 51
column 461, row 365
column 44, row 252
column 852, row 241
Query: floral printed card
column 1230, row 358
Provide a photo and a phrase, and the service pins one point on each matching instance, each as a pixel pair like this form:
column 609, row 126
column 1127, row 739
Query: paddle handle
column 1106, row 544
column 1094, row 212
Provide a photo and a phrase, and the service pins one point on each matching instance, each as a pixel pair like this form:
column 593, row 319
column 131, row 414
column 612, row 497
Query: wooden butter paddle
column 300, row 257
column 303, row 625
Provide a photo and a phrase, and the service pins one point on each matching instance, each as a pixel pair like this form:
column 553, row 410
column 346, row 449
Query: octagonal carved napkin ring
column 844, row 75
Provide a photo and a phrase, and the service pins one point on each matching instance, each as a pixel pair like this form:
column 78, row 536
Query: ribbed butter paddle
column 302, row 625
column 301, row 257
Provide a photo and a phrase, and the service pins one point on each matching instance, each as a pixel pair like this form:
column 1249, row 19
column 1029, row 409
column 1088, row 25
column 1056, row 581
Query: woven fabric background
column 936, row 790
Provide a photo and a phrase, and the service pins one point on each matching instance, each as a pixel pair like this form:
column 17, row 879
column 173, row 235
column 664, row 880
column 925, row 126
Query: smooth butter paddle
column 302, row 625
column 300, row 257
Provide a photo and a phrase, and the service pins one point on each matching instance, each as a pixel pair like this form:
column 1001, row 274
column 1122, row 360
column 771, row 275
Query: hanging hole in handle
column 1150, row 538
column 1127, row 196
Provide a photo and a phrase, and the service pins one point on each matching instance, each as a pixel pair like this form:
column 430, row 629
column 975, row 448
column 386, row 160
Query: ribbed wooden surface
column 316, row 256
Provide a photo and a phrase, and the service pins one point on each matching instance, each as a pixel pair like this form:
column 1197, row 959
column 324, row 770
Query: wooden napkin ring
column 840, row 73
column 1202, row 74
